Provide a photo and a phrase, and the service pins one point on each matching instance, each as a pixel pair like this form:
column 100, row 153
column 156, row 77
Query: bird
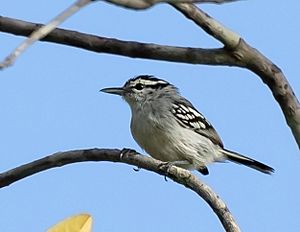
column 170, row 129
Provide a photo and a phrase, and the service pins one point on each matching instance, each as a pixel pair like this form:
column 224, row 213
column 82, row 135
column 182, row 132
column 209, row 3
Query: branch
column 178, row 175
column 253, row 60
column 212, row 27
column 124, row 48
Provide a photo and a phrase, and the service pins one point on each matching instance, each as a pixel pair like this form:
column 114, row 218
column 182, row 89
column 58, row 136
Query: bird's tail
column 251, row 163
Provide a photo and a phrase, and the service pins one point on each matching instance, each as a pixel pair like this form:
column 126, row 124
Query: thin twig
column 42, row 32
column 144, row 4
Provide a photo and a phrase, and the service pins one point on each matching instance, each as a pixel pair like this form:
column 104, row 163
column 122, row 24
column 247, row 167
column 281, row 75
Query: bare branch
column 144, row 4
column 178, row 175
column 253, row 60
column 43, row 31
column 125, row 48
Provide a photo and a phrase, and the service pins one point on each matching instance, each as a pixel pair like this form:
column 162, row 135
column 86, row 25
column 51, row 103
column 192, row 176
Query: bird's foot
column 165, row 167
column 129, row 151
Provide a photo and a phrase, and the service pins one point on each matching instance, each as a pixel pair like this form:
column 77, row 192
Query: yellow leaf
column 77, row 223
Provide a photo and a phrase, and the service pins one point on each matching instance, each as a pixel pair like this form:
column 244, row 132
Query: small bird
column 169, row 128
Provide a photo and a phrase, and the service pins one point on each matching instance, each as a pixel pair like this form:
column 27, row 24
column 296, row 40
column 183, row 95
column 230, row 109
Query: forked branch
column 250, row 58
column 41, row 32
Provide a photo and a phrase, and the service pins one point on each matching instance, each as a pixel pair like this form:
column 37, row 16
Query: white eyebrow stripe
column 149, row 82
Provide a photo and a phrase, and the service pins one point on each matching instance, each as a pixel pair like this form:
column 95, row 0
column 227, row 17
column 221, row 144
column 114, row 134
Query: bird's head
column 141, row 89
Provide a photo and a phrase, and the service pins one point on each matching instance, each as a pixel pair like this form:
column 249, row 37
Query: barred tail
column 251, row 163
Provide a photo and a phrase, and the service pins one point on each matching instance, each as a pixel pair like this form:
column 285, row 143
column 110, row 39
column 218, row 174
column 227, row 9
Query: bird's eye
column 139, row 86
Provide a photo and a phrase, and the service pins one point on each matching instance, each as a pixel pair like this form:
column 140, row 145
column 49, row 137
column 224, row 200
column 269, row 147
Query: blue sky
column 50, row 102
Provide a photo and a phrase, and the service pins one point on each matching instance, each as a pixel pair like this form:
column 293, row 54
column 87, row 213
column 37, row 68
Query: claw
column 126, row 151
column 137, row 169
column 165, row 166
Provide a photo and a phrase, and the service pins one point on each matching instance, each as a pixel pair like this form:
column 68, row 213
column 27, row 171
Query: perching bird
column 169, row 128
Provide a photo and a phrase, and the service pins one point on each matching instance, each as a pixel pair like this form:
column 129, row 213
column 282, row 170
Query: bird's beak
column 114, row 90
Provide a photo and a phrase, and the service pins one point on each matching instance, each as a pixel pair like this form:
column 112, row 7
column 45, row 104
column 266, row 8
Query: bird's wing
column 189, row 117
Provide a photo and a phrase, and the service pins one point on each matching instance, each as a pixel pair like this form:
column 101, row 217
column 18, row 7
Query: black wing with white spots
column 190, row 118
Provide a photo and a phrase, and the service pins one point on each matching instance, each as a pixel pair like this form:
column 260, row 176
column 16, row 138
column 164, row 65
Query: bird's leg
column 178, row 163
